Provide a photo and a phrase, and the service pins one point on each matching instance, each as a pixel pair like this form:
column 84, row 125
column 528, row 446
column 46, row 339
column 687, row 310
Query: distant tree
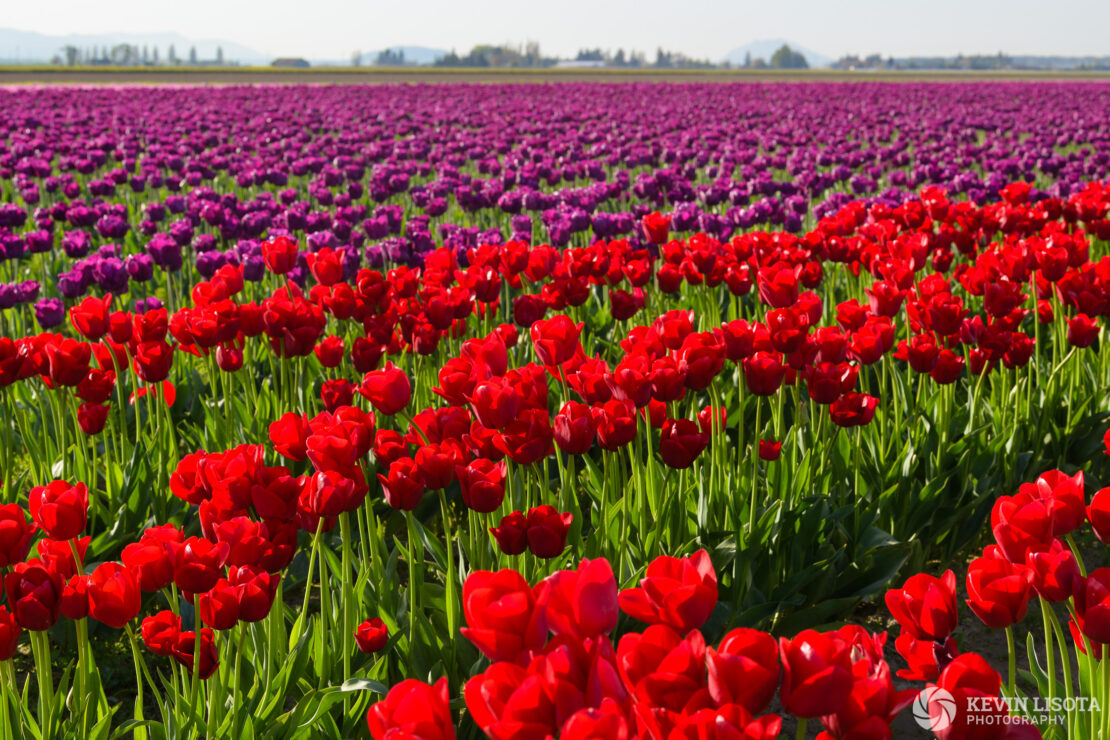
column 390, row 58
column 219, row 55
column 71, row 55
column 451, row 59
column 618, row 58
column 533, row 57
column 192, row 55
column 787, row 58
column 154, row 55
column 356, row 58
column 121, row 54
column 171, row 55
column 747, row 60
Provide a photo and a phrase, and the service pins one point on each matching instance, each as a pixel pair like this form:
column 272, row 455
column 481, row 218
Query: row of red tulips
column 603, row 402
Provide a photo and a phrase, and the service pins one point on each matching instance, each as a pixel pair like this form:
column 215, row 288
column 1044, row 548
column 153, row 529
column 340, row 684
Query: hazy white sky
column 700, row 28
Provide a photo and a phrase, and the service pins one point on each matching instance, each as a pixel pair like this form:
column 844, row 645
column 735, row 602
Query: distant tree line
column 971, row 62
column 530, row 55
column 133, row 55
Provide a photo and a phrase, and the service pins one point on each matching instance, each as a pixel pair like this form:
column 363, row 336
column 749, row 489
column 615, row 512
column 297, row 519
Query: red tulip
column 574, row 428
column 219, row 606
column 1092, row 603
column 387, row 389
column 662, row 669
column 656, row 226
column 1098, row 513
column 925, row 606
column 184, row 648
column 729, row 721
column 114, row 596
column 871, row 706
column 853, row 409
column 198, row 564
column 414, row 710
column 555, row 340
column 763, row 373
column 965, row 678
column 1063, row 495
column 1021, row 523
column 372, row 635
column 151, row 563
column 778, row 285
column 607, row 722
column 547, row 531
column 160, row 632
column 528, row 439
column 512, row 534
column 15, row 534
column 502, row 615
column 744, row 670
column 681, row 443
column 389, row 447
column 616, row 424
column 495, row 402
column 57, row 555
column 828, row 381
column 34, row 595
column 153, row 361
column 326, row 265
column 482, row 485
column 404, row 486
column 1082, row 331
column 255, row 589
column 336, row 393
column 678, row 592
column 330, row 351
column 817, row 673
column 90, row 317
column 60, row 509
column 700, row 358
column 75, row 597
column 1055, row 572
column 580, row 604
column 289, row 435
column 925, row 658
column 769, row 450
column 280, row 254
column 9, row 634
column 67, row 361
column 998, row 591
column 92, row 417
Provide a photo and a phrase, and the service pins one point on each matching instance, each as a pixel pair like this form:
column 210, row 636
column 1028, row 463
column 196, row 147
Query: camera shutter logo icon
column 934, row 709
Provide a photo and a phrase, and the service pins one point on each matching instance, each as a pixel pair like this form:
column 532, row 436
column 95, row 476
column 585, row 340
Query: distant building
column 290, row 63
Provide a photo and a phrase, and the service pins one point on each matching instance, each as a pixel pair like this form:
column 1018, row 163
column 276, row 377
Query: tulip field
column 588, row 411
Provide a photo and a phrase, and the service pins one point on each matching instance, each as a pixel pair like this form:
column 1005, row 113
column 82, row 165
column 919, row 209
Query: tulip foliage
column 461, row 426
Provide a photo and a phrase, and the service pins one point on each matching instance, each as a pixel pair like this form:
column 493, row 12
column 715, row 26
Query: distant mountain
column 764, row 49
column 30, row 46
column 413, row 54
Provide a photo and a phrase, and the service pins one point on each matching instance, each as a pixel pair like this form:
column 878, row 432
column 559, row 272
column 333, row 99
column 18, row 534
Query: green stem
column 40, row 648
column 194, row 688
column 415, row 578
column 235, row 705
column 1011, row 671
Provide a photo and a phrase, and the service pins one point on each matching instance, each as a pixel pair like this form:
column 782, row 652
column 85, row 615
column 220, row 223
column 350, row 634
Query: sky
column 698, row 28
